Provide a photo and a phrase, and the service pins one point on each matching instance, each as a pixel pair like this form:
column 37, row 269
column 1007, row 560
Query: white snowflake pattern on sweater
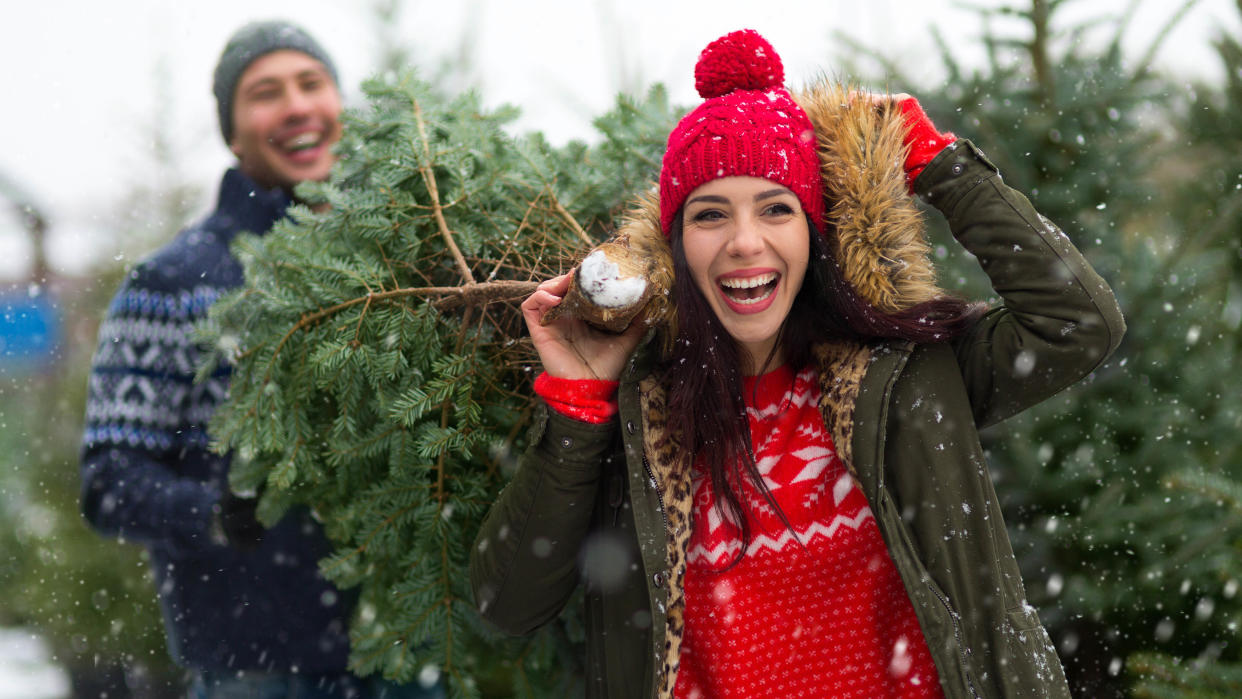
column 815, row 609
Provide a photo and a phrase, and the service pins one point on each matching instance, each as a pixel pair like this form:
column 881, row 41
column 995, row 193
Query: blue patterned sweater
column 148, row 477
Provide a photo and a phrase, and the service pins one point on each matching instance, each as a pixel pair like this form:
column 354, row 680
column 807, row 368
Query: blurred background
column 1119, row 117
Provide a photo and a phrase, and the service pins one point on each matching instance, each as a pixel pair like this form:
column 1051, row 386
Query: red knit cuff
column 924, row 140
column 587, row 400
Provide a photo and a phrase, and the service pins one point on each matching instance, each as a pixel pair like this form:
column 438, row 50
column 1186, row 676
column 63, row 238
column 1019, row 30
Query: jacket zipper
column 962, row 651
column 659, row 497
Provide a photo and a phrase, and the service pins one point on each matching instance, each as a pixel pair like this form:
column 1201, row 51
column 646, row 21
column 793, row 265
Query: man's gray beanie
column 250, row 43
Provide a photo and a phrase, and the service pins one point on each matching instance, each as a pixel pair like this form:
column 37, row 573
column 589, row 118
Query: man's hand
column 234, row 522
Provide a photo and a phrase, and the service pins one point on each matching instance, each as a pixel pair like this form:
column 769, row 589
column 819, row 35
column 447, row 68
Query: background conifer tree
column 1208, row 204
column 1125, row 551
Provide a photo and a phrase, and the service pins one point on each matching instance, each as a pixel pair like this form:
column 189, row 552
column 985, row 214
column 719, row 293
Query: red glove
column 587, row 400
column 924, row 140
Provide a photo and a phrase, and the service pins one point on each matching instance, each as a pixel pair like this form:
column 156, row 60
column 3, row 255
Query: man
column 245, row 608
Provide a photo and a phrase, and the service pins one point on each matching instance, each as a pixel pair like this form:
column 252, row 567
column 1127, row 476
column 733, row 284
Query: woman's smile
column 749, row 293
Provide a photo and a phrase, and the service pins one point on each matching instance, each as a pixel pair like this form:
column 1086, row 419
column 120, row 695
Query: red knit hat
column 748, row 125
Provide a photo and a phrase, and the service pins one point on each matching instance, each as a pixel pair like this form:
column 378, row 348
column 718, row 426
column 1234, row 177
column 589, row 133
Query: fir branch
column 444, row 414
column 570, row 221
column 429, row 179
column 286, row 472
column 478, row 293
column 365, row 444
column 388, row 263
column 517, row 235
column 329, row 567
column 362, row 316
column 447, row 601
column 472, row 294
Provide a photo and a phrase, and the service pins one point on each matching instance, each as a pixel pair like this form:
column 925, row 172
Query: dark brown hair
column 703, row 373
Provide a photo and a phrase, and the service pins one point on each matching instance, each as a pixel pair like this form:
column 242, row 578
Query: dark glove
column 235, row 520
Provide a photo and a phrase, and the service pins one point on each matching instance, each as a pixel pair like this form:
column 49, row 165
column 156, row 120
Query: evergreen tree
column 1119, row 555
column 1209, row 204
column 381, row 377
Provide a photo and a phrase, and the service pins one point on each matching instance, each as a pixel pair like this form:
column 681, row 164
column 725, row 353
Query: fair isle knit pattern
column 818, row 611
column 142, row 388
column 142, row 393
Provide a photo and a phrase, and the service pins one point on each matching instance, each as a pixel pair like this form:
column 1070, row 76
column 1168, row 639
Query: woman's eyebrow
column 713, row 198
column 772, row 193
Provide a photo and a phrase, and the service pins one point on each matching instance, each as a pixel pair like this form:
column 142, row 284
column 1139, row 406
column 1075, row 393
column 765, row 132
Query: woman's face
column 746, row 242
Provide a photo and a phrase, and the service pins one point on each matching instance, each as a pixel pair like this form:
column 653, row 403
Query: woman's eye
column 707, row 215
column 780, row 209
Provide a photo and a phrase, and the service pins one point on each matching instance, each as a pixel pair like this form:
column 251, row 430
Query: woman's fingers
column 545, row 296
column 557, row 285
column 540, row 302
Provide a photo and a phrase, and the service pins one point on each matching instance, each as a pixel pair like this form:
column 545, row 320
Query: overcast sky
column 81, row 81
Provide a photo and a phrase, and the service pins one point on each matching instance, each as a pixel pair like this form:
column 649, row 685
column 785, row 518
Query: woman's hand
column 568, row 347
column 922, row 137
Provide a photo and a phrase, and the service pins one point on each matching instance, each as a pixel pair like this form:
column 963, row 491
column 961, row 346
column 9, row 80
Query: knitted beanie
column 749, row 125
column 247, row 45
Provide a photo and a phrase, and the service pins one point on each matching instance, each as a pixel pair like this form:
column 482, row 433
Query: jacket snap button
column 567, row 442
column 629, row 426
column 658, row 579
column 957, row 169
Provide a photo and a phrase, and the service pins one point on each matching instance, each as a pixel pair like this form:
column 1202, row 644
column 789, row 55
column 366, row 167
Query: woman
column 791, row 500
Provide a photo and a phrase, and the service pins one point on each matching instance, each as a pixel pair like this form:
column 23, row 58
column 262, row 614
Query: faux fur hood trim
column 880, row 236
column 873, row 226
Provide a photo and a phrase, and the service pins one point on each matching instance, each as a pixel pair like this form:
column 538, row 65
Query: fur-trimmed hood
column 873, row 226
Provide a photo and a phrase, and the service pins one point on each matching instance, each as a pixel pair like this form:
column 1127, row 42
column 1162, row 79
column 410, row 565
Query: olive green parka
column 608, row 506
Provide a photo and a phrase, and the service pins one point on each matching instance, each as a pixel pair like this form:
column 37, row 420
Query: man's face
column 285, row 120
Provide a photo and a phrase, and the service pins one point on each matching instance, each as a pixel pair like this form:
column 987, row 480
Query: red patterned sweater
column 827, row 617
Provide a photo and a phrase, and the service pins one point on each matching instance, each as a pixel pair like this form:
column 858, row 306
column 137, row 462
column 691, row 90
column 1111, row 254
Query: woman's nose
column 746, row 239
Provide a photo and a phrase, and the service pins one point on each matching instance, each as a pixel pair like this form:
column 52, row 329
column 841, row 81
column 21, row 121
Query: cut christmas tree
column 380, row 367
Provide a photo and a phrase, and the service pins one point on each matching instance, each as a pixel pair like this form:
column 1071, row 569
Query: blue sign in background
column 29, row 328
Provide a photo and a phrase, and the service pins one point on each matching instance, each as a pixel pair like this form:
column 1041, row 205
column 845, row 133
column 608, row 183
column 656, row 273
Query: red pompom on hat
column 749, row 125
column 742, row 60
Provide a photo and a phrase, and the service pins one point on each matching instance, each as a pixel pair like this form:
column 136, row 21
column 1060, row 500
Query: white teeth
column 757, row 299
column 305, row 140
column 749, row 283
